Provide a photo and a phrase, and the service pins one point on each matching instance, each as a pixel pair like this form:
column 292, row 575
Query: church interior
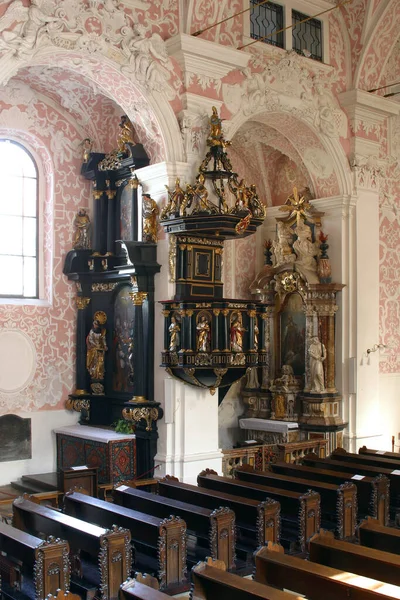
column 200, row 299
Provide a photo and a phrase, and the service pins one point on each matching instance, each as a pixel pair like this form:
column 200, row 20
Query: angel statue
column 32, row 20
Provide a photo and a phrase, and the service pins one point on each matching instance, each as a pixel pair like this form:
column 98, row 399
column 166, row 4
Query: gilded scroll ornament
column 137, row 414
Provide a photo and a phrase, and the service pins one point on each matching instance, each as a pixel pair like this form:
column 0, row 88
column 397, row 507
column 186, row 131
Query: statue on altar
column 81, row 239
column 317, row 354
column 96, row 347
column 150, row 213
column 282, row 247
column 126, row 135
column 306, row 250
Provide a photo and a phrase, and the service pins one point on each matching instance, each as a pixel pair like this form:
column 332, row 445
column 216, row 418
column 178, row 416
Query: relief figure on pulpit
column 293, row 335
column 174, row 335
column 317, row 353
column 237, row 331
column 96, row 348
column 203, row 334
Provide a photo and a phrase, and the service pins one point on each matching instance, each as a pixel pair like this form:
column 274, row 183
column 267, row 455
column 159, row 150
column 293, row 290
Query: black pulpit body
column 114, row 279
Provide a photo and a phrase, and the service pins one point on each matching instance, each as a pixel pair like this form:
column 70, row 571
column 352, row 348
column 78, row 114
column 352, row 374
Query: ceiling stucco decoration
column 18, row 361
column 288, row 86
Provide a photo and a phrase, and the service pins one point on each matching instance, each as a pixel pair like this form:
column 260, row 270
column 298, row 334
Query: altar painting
column 123, row 342
column 292, row 328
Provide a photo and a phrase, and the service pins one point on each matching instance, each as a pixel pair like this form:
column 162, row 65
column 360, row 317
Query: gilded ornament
column 172, row 258
column 103, row 287
column 137, row 414
column 82, row 302
column 138, row 297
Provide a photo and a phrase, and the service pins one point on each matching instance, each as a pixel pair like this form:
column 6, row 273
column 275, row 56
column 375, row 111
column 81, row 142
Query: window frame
column 308, row 7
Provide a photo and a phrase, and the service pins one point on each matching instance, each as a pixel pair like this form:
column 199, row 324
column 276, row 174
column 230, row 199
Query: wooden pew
column 141, row 587
column 383, row 453
column 374, row 460
column 159, row 543
column 257, row 522
column 372, row 492
column 45, row 562
column 211, row 581
column 358, row 469
column 216, row 526
column 315, row 581
column 337, row 501
column 325, row 550
column 304, row 509
column 111, row 548
column 372, row 534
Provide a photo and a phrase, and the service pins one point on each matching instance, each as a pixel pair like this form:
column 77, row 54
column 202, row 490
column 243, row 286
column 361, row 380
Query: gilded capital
column 138, row 298
column 82, row 302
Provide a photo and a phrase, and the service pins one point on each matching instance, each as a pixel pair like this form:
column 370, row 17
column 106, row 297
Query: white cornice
column 205, row 58
column 367, row 107
column 200, row 104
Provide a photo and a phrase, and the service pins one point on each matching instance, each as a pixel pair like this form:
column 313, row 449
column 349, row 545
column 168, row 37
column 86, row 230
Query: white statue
column 317, row 353
column 306, row 250
column 282, row 248
column 252, row 381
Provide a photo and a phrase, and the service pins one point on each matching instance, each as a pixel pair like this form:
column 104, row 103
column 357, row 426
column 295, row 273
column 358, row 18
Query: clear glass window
column 18, row 222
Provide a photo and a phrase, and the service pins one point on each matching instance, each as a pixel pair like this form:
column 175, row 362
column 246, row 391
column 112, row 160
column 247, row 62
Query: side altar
column 296, row 386
column 112, row 266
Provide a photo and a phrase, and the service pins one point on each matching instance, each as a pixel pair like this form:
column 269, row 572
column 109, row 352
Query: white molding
column 155, row 177
column 200, row 104
column 205, row 58
column 367, row 108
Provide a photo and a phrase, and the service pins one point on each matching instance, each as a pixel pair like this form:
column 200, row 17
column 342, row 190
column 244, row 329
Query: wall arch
column 308, row 142
column 150, row 110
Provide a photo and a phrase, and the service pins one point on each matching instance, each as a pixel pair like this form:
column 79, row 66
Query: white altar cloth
column 97, row 434
column 267, row 425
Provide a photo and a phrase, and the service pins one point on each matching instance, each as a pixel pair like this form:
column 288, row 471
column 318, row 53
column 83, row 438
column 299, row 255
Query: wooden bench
column 358, row 469
column 273, row 567
column 256, row 522
column 211, row 581
column 372, row 492
column 383, row 453
column 301, row 512
column 44, row 562
column 325, row 550
column 159, row 543
column 374, row 460
column 111, row 548
column 374, row 535
column 217, row 527
column 337, row 502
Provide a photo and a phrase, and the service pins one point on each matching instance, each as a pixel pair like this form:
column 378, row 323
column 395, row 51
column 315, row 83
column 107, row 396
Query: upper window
column 306, row 35
column 18, row 222
column 264, row 20
column 297, row 31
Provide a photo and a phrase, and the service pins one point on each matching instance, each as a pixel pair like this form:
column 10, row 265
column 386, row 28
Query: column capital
column 82, row 302
column 138, row 297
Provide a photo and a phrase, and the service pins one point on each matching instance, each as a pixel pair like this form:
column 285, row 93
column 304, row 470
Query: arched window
column 18, row 222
